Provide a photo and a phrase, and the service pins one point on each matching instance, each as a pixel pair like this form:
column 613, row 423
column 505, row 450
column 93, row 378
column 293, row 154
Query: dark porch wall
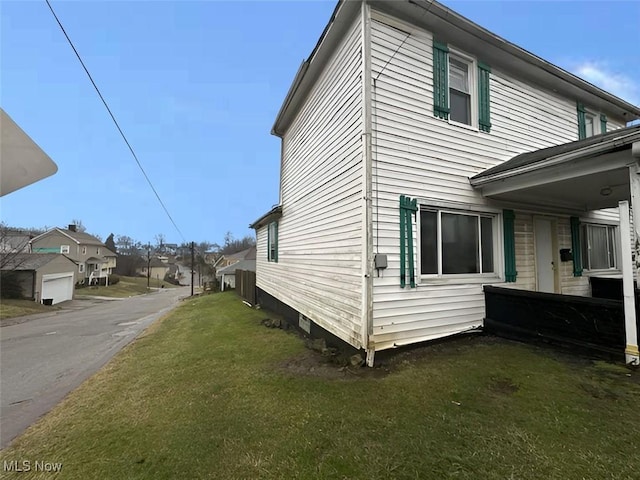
column 592, row 323
column 292, row 316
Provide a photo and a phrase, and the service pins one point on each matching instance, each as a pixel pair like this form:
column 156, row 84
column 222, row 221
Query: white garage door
column 59, row 287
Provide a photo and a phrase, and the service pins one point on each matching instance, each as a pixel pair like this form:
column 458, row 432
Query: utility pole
column 192, row 266
column 148, row 265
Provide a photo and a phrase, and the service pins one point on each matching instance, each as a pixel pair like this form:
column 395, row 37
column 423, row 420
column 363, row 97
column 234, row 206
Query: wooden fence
column 246, row 285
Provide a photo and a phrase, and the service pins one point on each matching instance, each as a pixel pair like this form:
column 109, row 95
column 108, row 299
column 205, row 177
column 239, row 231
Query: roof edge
column 271, row 215
column 589, row 146
column 451, row 17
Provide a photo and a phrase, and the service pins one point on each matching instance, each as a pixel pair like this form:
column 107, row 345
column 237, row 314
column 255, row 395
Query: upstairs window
column 84, row 250
column 64, row 248
column 461, row 88
column 272, row 242
column 459, row 91
column 590, row 123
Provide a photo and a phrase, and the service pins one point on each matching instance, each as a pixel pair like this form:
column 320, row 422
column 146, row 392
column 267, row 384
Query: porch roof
column 583, row 175
column 95, row 260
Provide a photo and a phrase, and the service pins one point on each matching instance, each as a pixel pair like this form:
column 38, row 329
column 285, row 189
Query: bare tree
column 231, row 245
column 13, row 243
column 160, row 242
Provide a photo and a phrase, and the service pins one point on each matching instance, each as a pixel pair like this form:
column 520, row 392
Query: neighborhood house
column 44, row 277
column 95, row 262
column 425, row 160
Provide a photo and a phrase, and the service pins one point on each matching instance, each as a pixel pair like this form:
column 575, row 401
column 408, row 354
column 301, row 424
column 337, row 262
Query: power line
column 115, row 122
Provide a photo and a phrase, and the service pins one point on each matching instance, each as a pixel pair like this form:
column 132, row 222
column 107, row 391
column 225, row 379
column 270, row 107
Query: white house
column 416, row 169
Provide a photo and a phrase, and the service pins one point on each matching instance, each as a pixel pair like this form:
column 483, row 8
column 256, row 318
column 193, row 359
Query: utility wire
column 115, row 122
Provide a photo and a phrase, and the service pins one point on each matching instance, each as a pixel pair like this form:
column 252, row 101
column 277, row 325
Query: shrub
column 11, row 287
column 113, row 279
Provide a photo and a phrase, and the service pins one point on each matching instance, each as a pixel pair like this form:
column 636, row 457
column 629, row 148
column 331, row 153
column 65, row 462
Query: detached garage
column 42, row 277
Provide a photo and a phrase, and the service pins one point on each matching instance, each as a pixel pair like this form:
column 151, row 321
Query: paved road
column 45, row 357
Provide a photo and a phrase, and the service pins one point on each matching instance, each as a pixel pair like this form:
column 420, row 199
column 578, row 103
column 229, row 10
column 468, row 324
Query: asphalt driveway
column 45, row 356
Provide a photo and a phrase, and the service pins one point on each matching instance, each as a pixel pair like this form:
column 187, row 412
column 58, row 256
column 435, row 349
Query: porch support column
column 631, row 354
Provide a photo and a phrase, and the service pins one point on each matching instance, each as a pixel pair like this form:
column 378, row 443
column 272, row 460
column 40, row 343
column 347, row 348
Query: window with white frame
column 456, row 242
column 84, row 250
column 64, row 248
column 590, row 124
column 81, row 267
column 599, row 246
column 460, row 89
column 97, row 250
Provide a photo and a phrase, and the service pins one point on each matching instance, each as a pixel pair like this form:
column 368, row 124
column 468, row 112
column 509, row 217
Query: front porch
column 589, row 324
column 97, row 271
column 564, row 185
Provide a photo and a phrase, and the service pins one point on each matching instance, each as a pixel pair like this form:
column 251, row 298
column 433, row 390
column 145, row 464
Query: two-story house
column 424, row 157
column 95, row 261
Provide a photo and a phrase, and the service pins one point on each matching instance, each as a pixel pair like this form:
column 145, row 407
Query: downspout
column 367, row 224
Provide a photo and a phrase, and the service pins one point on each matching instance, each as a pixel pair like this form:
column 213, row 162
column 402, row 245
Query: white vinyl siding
column 320, row 248
column 424, row 157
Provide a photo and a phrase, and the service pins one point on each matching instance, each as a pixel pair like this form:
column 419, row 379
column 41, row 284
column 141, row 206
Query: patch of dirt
column 597, row 391
column 314, row 364
column 503, row 386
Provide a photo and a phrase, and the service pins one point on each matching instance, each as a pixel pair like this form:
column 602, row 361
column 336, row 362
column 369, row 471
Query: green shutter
column 510, row 272
column 483, row 97
column 576, row 247
column 440, row 80
column 603, row 123
column 275, row 241
column 269, row 243
column 582, row 124
column 407, row 208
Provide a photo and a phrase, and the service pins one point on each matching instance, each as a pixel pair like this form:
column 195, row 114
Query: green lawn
column 126, row 287
column 210, row 393
column 16, row 308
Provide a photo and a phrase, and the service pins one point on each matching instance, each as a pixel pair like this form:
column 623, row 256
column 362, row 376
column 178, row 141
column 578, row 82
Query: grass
column 10, row 308
column 210, row 393
column 126, row 287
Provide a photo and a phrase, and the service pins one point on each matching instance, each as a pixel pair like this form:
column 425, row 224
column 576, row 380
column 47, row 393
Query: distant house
column 95, row 262
column 39, row 277
column 171, row 248
column 227, row 275
column 230, row 259
column 155, row 268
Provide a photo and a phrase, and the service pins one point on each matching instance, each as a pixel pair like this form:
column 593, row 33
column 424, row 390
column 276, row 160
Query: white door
column 545, row 268
column 58, row 287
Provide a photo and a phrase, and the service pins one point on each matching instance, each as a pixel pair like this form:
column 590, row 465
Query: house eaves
column 77, row 237
column 344, row 12
column 450, row 27
column 272, row 215
column 22, row 161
